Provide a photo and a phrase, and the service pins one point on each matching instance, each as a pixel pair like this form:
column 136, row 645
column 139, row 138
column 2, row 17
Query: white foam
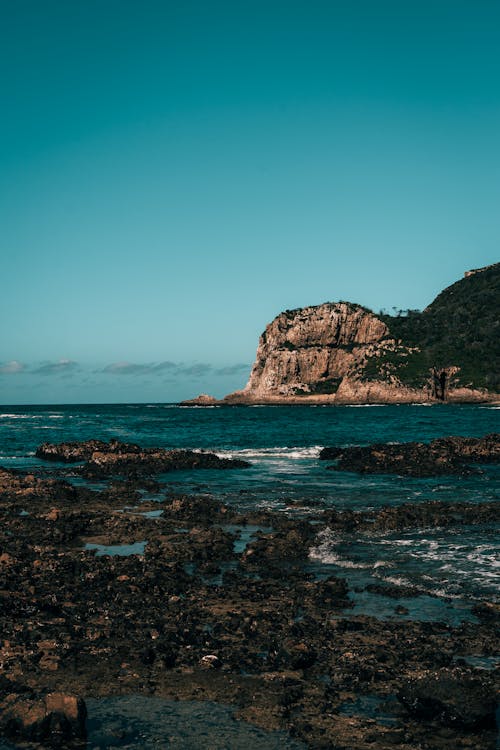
column 273, row 453
column 383, row 564
column 396, row 580
column 325, row 552
column 19, row 416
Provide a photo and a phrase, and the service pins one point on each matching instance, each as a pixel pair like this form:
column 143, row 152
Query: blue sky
column 173, row 175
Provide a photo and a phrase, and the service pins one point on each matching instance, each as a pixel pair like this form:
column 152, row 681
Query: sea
column 455, row 566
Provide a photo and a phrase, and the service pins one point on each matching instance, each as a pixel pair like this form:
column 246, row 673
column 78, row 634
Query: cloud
column 12, row 368
column 130, row 368
column 195, row 371
column 158, row 368
column 232, row 369
column 62, row 367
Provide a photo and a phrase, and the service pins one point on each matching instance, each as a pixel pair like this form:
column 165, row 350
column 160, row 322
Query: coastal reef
column 125, row 588
column 340, row 352
column 126, row 459
column 450, row 455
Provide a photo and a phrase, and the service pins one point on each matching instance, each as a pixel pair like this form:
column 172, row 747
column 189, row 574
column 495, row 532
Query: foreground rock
column 451, row 697
column 127, row 459
column 54, row 717
column 18, row 485
column 215, row 605
column 451, row 455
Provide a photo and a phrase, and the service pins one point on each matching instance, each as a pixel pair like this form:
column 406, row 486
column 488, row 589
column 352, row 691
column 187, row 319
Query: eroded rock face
column 312, row 349
column 324, row 354
column 342, row 353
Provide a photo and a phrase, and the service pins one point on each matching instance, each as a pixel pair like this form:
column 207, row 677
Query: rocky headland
column 343, row 353
column 130, row 589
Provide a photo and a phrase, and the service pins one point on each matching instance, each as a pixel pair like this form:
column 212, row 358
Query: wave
column 20, row 416
column 31, row 416
column 325, row 552
column 270, row 453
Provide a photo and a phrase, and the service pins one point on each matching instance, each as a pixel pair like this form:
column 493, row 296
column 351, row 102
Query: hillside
column 461, row 328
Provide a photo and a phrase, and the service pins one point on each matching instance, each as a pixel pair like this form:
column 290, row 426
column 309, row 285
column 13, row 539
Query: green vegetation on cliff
column 461, row 328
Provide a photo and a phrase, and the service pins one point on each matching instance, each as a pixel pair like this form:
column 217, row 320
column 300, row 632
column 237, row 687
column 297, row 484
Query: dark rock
column 394, row 592
column 55, row 717
column 128, row 459
column 74, row 452
column 454, row 698
column 451, row 455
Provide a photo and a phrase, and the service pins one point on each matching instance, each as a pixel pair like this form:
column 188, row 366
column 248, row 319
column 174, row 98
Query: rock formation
column 340, row 352
column 451, row 455
column 127, row 459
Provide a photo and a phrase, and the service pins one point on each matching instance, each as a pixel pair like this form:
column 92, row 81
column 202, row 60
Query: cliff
column 339, row 352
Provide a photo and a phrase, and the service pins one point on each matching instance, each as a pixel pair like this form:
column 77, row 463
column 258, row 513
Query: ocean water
column 454, row 566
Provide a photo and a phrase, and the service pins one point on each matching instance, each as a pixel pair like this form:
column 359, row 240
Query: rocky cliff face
column 343, row 353
column 318, row 352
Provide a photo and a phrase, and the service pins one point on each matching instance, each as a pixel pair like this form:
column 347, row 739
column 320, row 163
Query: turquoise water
column 282, row 443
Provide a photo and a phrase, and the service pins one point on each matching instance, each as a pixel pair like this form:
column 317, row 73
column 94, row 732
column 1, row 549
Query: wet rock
column 453, row 698
column 74, row 452
column 451, row 455
column 427, row 514
column 210, row 661
column 394, row 592
column 107, row 459
column 489, row 611
column 288, row 649
column 55, row 717
column 18, row 485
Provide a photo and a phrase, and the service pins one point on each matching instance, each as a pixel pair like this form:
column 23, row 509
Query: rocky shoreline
column 217, row 605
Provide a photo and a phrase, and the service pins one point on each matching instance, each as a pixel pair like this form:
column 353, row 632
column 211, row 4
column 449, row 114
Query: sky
column 175, row 174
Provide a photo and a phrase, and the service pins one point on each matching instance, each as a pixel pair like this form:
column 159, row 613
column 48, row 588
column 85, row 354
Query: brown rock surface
column 202, row 400
column 195, row 616
column 310, row 351
column 342, row 353
column 55, row 716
